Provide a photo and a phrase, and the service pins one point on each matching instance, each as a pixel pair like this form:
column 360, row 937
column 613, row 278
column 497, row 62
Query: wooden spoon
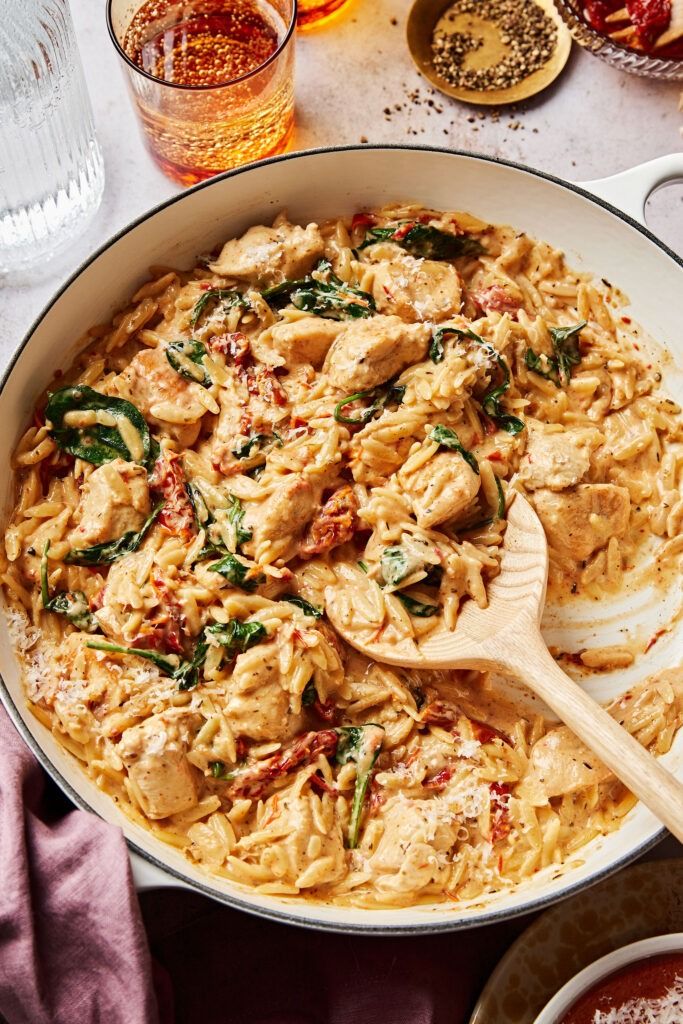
column 506, row 637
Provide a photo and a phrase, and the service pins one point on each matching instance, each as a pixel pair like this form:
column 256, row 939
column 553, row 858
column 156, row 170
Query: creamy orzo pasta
column 365, row 391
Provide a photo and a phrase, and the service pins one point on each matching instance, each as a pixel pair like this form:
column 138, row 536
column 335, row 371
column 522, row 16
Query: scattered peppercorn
column 527, row 32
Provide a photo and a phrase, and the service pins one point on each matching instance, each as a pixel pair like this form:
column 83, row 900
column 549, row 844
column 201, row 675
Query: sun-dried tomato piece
column 335, row 524
column 496, row 298
column 440, row 714
column 487, row 733
column 253, row 781
column 262, row 383
column 232, row 344
column 168, row 480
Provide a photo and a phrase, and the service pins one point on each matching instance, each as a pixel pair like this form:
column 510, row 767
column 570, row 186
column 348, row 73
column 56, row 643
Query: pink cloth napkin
column 73, row 948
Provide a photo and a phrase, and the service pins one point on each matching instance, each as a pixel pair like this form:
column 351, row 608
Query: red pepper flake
column 439, row 780
column 495, row 456
column 500, row 812
column 626, row 319
column 653, row 639
column 401, row 232
column 320, row 786
column 489, row 426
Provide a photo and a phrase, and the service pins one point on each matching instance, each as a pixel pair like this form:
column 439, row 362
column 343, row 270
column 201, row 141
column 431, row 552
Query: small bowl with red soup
column 637, row 984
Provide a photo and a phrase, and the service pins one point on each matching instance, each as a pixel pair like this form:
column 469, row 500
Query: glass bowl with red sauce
column 637, row 983
column 636, row 50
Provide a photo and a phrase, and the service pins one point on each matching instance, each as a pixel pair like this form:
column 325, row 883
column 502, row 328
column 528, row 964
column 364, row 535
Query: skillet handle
column 148, row 876
column 629, row 190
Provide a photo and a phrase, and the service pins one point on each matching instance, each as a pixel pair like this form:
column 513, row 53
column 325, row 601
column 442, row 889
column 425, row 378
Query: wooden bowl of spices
column 488, row 52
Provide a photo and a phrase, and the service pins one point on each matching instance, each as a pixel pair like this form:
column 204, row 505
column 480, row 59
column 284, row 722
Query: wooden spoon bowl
column 506, row 637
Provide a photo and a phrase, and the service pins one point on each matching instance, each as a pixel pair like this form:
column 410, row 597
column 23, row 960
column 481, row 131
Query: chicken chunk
column 253, row 405
column 308, row 850
column 258, row 702
column 301, row 341
column 269, row 256
column 163, row 397
column 412, row 852
column 560, row 763
column 417, row 289
column 441, row 489
column 556, row 459
column 583, row 520
column 154, row 754
column 370, row 352
column 114, row 500
column 284, row 512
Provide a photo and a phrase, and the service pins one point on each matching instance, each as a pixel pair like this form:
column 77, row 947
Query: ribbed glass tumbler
column 51, row 169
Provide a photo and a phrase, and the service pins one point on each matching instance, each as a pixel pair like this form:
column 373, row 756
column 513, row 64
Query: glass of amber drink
column 317, row 12
column 212, row 80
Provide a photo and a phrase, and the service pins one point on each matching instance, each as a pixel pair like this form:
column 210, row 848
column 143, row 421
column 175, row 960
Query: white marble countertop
column 593, row 122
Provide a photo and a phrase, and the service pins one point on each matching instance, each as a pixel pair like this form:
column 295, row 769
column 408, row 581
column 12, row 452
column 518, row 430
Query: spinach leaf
column 491, row 403
column 72, row 604
column 375, row 235
column 206, row 520
column 310, row 694
column 168, row 665
column 219, row 771
column 433, row 577
column 235, row 571
column 566, row 355
column 394, row 565
column 417, row 608
column 186, row 358
column 185, row 673
column 236, row 517
column 383, row 395
column 227, row 297
column 448, row 438
column 363, row 567
column 99, row 442
column 237, row 636
column 425, row 241
column 360, row 744
column 110, row 551
column 325, row 295
column 257, row 441
column 311, row 610
column 500, row 509
column 437, row 348
column 203, row 516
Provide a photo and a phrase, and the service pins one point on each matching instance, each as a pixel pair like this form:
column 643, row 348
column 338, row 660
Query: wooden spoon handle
column 630, row 762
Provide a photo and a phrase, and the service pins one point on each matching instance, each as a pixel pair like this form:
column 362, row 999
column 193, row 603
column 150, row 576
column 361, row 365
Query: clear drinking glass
column 317, row 12
column 212, row 80
column 51, row 169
